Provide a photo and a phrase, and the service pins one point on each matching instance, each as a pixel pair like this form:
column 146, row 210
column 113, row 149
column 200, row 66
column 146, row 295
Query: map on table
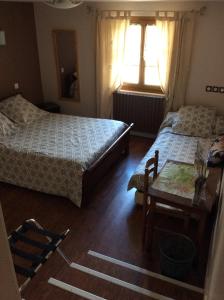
column 177, row 178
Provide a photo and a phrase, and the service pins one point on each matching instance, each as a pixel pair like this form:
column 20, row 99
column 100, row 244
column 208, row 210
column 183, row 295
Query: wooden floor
column 111, row 225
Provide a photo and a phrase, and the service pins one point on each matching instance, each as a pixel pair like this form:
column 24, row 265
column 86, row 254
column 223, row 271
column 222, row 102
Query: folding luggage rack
column 37, row 260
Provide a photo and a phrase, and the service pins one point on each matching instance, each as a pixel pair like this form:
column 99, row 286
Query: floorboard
column 110, row 224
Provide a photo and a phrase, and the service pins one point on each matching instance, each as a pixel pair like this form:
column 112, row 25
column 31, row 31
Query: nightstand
column 50, row 107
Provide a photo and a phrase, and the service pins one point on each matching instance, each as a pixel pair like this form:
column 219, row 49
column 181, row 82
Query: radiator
column 145, row 111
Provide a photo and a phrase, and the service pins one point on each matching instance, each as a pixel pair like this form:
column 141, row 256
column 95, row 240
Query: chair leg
column 144, row 231
column 150, row 225
column 145, row 221
column 150, row 231
column 144, row 240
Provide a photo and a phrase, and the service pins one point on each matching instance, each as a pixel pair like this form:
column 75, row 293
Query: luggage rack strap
column 17, row 236
column 52, row 242
column 34, row 258
column 26, row 272
column 29, row 226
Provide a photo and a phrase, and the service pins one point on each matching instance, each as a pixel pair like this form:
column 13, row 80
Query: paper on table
column 177, row 178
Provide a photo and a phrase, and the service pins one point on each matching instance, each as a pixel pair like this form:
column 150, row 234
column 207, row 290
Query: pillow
column 216, row 153
column 219, row 125
column 169, row 119
column 20, row 111
column 6, row 126
column 194, row 121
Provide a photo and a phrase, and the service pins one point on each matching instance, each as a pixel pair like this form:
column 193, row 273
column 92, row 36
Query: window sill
column 140, row 93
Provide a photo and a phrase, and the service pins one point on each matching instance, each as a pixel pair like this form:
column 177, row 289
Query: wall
column 214, row 289
column 8, row 283
column 83, row 23
column 19, row 60
column 207, row 57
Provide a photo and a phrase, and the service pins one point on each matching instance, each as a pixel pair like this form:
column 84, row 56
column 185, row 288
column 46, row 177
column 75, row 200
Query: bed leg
column 126, row 147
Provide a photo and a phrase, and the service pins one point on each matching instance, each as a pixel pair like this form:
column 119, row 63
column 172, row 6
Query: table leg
column 201, row 231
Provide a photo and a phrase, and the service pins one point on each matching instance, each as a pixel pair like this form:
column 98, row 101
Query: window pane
column 150, row 56
column 132, row 54
column 150, row 50
column 152, row 76
column 131, row 74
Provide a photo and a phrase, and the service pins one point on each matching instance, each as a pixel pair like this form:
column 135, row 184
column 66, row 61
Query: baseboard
column 143, row 134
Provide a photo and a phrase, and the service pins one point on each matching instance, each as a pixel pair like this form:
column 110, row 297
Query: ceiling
column 126, row 1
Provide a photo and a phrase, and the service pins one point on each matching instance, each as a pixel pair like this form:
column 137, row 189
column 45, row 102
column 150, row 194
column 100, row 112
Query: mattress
column 171, row 146
column 52, row 153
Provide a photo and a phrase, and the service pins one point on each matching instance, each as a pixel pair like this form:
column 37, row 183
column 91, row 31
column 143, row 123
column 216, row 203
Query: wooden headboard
column 10, row 95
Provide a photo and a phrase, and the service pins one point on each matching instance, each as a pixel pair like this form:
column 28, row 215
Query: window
column 140, row 71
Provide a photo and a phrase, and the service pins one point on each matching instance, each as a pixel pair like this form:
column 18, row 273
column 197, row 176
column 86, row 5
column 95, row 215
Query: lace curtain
column 175, row 38
column 111, row 32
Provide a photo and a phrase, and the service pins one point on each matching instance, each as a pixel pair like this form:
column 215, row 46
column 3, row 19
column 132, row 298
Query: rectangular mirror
column 65, row 48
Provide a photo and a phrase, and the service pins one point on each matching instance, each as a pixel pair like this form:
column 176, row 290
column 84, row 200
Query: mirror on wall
column 65, row 47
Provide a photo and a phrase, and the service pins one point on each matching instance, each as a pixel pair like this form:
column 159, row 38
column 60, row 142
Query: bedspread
column 171, row 146
column 51, row 154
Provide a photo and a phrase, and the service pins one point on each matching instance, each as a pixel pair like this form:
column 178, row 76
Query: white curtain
column 175, row 40
column 183, row 45
column 164, row 44
column 111, row 34
column 214, row 289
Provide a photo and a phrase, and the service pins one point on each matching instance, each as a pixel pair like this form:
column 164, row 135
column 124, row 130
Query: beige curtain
column 111, row 34
column 175, row 40
column 214, row 289
column 183, row 44
column 164, row 45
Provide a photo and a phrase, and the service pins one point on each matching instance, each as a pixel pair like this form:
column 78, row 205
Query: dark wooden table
column 159, row 194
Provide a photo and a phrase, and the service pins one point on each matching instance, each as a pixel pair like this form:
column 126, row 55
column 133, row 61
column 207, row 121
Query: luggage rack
column 37, row 260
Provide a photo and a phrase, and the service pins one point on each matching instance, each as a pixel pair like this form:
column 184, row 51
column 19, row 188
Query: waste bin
column 177, row 253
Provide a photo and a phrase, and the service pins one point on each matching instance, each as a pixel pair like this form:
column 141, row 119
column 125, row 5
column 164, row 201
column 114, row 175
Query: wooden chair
column 151, row 208
column 151, row 167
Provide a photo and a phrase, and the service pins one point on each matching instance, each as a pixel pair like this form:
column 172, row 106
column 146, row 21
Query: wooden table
column 174, row 186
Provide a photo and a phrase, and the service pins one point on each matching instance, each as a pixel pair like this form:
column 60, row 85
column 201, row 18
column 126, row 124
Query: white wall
column 8, row 283
column 207, row 57
column 214, row 289
column 47, row 19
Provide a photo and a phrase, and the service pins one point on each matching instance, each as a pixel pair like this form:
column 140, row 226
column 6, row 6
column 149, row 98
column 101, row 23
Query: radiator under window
column 145, row 111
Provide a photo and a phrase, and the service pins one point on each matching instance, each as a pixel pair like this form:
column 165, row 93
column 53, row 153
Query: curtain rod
column 200, row 11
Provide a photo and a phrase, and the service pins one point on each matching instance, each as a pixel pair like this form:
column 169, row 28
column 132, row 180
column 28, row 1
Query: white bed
column 51, row 154
column 178, row 139
column 171, row 146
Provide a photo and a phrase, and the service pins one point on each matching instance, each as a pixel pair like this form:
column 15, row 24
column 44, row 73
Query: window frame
column 141, row 87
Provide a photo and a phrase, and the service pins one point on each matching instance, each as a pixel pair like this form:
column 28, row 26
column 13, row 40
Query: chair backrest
column 151, row 167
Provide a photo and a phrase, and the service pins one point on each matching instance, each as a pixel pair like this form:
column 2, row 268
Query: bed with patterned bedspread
column 51, row 153
column 178, row 138
column 171, row 146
